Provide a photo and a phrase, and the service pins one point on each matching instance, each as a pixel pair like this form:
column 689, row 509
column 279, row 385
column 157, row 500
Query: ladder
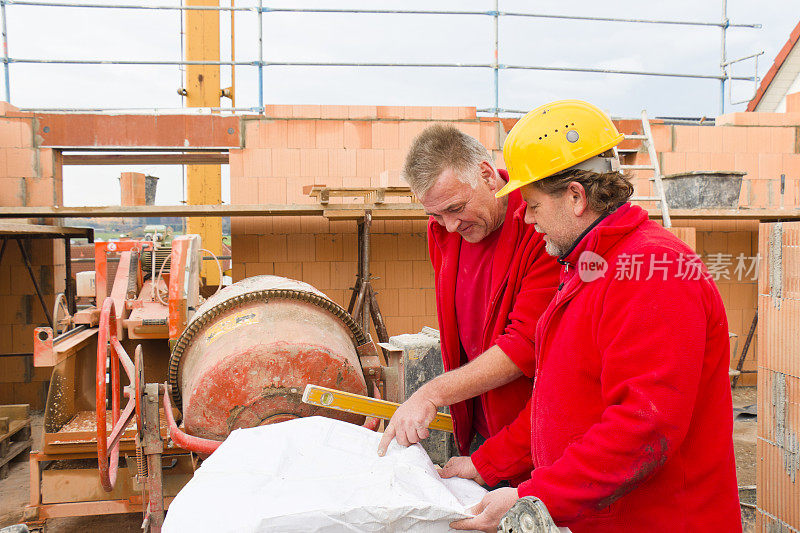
column 647, row 141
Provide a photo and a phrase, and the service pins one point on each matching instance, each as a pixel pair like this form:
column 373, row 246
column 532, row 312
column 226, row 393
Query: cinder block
column 357, row 134
column 301, row 248
column 330, row 134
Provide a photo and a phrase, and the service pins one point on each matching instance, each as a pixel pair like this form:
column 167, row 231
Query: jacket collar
column 605, row 232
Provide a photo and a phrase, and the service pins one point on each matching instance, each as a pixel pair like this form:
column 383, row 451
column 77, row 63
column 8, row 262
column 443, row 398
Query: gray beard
column 552, row 249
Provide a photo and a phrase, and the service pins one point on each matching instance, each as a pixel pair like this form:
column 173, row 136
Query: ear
column 576, row 196
column 489, row 176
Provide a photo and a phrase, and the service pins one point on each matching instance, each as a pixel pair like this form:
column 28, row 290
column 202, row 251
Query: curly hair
column 604, row 192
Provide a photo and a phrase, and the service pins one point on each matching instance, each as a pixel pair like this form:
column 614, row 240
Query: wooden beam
column 337, row 211
column 146, row 159
column 10, row 228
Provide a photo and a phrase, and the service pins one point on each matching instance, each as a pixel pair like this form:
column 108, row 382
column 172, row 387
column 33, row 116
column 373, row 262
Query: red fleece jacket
column 630, row 422
column 523, row 281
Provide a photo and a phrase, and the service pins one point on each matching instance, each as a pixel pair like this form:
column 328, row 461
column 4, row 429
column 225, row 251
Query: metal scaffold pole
column 5, row 50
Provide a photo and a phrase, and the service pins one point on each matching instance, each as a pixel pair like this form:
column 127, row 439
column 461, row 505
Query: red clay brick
column 280, row 111
column 362, row 111
column 709, row 139
column 385, row 135
column 272, row 191
column 302, row 134
column 673, row 162
column 274, row 134
column 444, row 113
column 292, row 270
column 342, row 162
column 782, row 140
column 369, row 163
column 20, row 162
column 317, row 274
column 329, row 247
column 334, row 111
column 698, row 161
column 420, row 113
column 769, row 166
column 357, row 134
column 391, row 112
column 12, row 192
column 301, row 248
column 330, row 134
column 422, row 274
column 244, row 248
column 306, row 111
column 315, row 163
column 258, row 269
column 687, row 138
column 285, row 162
column 758, row 140
column 41, row 191
column 389, row 302
column 793, row 103
column 723, row 161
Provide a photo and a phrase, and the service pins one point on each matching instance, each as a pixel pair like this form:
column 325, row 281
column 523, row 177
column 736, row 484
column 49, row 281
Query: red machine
column 240, row 359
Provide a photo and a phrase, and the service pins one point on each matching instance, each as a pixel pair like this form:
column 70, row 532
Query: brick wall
column 339, row 146
column 29, row 176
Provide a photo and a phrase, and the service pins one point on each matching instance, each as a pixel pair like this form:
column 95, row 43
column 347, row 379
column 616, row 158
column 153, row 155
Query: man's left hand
column 489, row 511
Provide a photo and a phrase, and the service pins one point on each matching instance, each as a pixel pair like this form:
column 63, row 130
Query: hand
column 461, row 467
column 489, row 511
column 409, row 423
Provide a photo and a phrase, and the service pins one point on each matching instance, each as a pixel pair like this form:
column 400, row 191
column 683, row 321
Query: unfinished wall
column 29, row 176
column 338, row 146
column 778, row 447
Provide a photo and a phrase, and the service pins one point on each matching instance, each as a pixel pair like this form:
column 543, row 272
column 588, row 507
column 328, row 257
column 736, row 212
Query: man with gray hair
column 493, row 280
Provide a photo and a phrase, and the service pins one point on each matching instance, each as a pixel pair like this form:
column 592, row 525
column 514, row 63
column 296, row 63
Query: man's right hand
column 410, row 422
column 462, row 467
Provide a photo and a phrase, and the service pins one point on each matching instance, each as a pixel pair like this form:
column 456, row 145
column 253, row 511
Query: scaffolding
column 724, row 76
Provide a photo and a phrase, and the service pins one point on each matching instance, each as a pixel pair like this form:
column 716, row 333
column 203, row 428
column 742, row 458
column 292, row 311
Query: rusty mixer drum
column 248, row 352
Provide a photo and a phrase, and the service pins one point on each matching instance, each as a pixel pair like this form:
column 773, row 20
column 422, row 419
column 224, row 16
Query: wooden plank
column 14, row 450
column 61, row 510
column 412, row 212
column 161, row 211
column 215, row 158
column 19, row 411
column 9, row 228
column 13, row 427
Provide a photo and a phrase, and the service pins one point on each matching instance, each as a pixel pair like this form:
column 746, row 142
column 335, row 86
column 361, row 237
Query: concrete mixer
column 200, row 370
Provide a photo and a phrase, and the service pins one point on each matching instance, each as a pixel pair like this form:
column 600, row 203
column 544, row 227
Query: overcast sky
column 70, row 33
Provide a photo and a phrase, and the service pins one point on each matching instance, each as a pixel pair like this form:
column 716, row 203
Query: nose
column 529, row 218
column 451, row 223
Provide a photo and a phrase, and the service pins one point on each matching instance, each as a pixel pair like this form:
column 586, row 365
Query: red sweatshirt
column 630, row 422
column 523, row 281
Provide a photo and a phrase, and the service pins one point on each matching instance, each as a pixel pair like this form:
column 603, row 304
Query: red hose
column 187, row 442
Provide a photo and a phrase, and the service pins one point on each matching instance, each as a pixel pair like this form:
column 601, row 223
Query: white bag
column 318, row 474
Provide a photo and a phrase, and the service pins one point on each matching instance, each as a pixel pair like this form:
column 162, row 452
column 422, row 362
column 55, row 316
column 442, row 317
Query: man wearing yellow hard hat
column 629, row 424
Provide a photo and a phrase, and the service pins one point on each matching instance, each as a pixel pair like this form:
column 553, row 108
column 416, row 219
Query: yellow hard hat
column 555, row 137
